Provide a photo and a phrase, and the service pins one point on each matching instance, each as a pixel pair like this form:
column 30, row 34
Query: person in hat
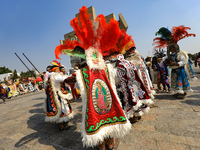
column 135, row 97
column 57, row 107
column 103, row 119
column 142, row 71
column 177, row 59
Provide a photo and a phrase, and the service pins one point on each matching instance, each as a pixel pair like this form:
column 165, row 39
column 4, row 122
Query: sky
column 35, row 27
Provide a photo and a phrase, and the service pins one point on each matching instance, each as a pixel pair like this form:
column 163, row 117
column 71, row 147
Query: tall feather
column 56, row 63
column 105, row 37
column 164, row 33
column 179, row 33
column 160, row 43
column 125, row 42
column 68, row 45
column 85, row 32
column 109, row 38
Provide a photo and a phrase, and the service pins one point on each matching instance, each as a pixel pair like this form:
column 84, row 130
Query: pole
column 30, row 62
column 22, row 61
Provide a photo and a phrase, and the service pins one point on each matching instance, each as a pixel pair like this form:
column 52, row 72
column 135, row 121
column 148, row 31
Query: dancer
column 136, row 59
column 134, row 94
column 176, row 59
column 57, row 107
column 103, row 118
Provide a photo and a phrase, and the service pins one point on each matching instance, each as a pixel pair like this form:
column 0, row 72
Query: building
column 6, row 76
column 72, row 36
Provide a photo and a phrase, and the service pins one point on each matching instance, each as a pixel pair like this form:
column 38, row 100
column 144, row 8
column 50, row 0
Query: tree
column 4, row 70
column 27, row 74
column 14, row 75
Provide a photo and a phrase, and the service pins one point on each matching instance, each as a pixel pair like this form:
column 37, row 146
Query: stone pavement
column 173, row 125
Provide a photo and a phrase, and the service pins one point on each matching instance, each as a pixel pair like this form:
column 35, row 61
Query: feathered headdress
column 107, row 38
column 55, row 63
column 171, row 37
column 159, row 53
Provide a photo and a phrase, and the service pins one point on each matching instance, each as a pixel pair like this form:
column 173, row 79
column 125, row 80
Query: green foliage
column 4, row 70
column 14, row 75
column 5, row 81
column 27, row 74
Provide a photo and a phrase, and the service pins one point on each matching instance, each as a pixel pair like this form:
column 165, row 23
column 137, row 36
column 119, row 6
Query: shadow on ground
column 192, row 102
column 162, row 96
column 49, row 133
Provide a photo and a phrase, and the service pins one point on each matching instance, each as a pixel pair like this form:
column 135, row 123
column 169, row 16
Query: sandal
column 111, row 143
column 134, row 119
column 102, row 146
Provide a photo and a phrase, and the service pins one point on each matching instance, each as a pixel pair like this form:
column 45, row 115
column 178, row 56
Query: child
column 163, row 75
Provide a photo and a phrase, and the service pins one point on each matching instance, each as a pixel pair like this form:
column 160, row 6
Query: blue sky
column 34, row 27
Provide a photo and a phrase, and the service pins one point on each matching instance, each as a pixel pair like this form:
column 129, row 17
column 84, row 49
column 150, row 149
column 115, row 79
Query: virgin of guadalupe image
column 101, row 99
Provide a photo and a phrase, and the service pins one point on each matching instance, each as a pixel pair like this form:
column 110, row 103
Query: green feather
column 71, row 52
column 164, row 33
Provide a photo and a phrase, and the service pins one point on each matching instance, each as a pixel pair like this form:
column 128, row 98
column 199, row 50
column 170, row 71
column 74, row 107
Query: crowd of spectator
column 12, row 89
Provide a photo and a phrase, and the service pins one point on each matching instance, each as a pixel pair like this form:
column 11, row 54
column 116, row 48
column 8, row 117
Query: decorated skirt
column 102, row 114
column 135, row 96
column 179, row 81
column 57, row 106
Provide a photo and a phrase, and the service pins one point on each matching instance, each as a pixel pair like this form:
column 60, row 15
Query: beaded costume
column 102, row 115
column 177, row 60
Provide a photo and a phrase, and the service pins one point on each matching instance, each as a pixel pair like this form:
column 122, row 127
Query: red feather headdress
column 173, row 36
column 106, row 37
column 55, row 63
column 179, row 33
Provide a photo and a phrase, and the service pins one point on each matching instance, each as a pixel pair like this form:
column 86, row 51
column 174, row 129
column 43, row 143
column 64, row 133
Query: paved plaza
column 172, row 124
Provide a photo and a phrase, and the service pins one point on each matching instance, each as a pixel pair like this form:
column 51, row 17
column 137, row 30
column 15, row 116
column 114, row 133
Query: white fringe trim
column 67, row 96
column 114, row 131
column 151, row 95
column 153, row 92
column 118, row 130
column 90, row 63
column 145, row 110
column 137, row 106
column 56, row 88
column 112, row 81
column 138, row 114
column 147, row 101
column 66, row 118
column 133, row 111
